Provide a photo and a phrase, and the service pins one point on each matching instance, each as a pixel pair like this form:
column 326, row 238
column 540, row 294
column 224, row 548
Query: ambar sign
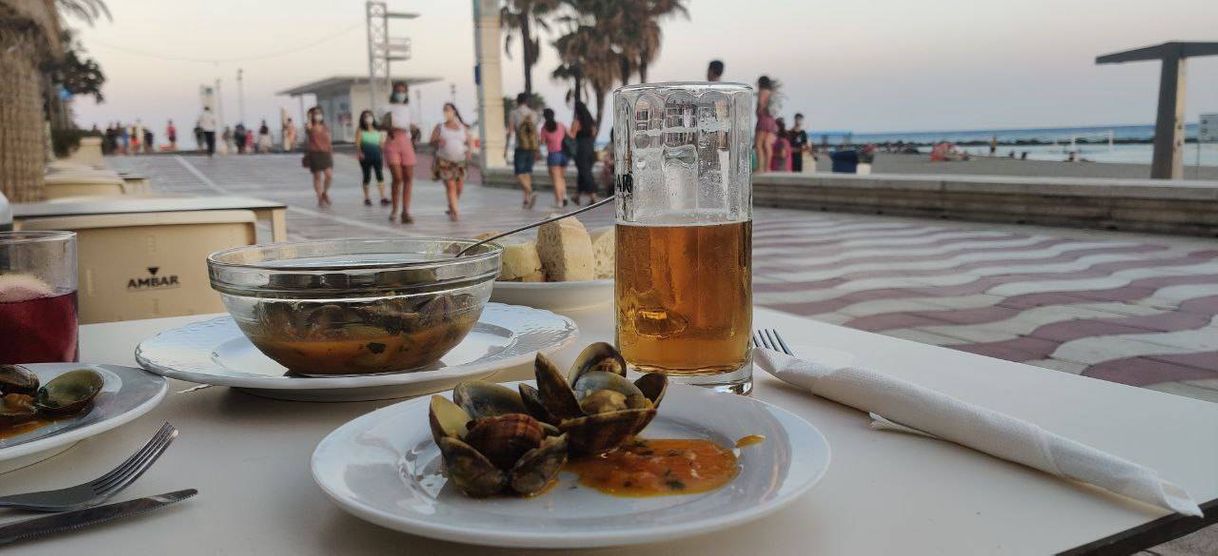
column 153, row 281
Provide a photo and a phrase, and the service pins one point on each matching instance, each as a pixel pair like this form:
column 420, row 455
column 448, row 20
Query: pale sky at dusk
column 879, row 65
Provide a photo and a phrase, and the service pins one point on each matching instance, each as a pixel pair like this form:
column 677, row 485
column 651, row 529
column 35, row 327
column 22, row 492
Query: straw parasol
column 29, row 35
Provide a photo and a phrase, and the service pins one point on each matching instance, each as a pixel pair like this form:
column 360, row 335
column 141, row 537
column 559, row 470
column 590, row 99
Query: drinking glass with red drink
column 38, row 297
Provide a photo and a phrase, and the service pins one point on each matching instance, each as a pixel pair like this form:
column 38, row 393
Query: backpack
column 526, row 135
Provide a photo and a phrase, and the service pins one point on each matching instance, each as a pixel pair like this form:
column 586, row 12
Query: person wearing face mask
column 369, row 142
column 399, row 152
column 451, row 140
column 319, row 155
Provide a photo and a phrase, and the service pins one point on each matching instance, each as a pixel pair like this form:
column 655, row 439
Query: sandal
column 367, row 202
column 406, row 219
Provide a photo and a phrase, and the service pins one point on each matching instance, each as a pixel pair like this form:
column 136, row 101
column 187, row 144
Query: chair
column 75, row 184
column 147, row 265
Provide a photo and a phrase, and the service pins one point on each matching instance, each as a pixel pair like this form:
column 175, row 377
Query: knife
column 68, row 521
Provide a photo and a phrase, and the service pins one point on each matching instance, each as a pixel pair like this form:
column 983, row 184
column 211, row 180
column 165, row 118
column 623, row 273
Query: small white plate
column 126, row 393
column 555, row 296
column 216, row 352
column 384, row 467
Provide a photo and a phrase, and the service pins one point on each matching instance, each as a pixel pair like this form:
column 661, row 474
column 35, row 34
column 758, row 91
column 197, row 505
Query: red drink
column 39, row 330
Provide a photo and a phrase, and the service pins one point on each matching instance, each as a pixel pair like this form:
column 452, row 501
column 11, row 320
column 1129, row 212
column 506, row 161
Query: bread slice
column 565, row 249
column 602, row 252
column 520, row 262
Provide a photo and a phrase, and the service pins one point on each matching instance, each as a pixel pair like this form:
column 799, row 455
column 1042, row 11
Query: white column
column 490, row 86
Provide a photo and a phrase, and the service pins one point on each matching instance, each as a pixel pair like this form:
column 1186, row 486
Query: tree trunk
column 526, row 46
column 22, row 129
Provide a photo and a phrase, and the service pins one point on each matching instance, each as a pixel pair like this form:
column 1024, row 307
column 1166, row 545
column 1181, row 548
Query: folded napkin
column 911, row 408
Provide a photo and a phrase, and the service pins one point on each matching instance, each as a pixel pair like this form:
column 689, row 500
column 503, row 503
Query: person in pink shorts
column 399, row 152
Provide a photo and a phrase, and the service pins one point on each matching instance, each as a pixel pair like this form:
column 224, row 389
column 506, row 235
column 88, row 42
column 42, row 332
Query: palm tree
column 521, row 16
column 30, row 34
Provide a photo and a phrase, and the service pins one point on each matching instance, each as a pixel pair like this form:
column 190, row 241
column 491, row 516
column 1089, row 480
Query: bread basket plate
column 555, row 296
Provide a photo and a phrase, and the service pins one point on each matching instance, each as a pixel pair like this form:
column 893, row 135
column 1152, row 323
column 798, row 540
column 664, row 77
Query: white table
column 884, row 493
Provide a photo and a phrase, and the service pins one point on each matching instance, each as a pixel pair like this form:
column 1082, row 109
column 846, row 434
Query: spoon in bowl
column 536, row 224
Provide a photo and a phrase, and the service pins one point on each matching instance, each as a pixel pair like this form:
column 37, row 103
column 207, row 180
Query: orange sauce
column 22, row 428
column 646, row 467
column 750, row 440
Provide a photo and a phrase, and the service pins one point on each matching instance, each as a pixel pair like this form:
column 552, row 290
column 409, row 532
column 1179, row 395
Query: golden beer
column 684, row 297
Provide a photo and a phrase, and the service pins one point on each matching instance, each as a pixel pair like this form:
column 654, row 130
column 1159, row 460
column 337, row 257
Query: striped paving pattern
column 1135, row 309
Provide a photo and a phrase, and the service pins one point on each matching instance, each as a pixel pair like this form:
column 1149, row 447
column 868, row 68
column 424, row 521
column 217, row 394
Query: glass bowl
column 355, row 306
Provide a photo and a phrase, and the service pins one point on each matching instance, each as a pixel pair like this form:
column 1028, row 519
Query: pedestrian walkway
column 1130, row 308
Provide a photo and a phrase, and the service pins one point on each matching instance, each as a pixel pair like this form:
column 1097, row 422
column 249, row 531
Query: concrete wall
column 1186, row 207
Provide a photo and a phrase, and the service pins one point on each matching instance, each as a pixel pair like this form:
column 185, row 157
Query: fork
column 768, row 338
column 100, row 489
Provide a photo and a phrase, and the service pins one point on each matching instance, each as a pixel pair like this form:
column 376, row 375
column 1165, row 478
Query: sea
column 1056, row 143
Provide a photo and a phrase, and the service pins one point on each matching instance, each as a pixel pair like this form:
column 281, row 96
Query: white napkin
column 908, row 407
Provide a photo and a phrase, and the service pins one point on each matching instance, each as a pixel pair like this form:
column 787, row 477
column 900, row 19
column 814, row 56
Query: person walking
column 766, row 128
column 554, row 136
column 227, row 138
column 171, row 134
column 239, row 137
column 522, row 123
column 798, row 138
column 782, row 149
column 137, row 137
column 583, row 129
column 289, row 136
column 319, row 155
column 264, row 138
column 452, row 142
column 149, row 140
column 369, row 142
column 399, row 152
column 124, row 137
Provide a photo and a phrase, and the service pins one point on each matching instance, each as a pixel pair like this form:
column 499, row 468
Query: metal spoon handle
column 538, row 223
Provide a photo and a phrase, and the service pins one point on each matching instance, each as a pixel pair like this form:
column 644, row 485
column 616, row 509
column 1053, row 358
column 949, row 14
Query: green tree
column 522, row 17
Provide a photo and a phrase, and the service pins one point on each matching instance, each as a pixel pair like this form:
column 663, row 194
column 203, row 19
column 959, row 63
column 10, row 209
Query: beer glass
column 38, row 297
column 684, row 290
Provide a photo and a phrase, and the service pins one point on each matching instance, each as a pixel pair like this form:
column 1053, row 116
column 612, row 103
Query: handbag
column 568, row 147
column 304, row 160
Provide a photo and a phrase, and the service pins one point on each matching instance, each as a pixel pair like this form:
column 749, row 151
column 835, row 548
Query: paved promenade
column 1131, row 308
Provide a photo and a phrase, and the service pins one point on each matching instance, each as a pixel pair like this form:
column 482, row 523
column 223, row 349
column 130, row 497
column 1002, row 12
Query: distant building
column 343, row 98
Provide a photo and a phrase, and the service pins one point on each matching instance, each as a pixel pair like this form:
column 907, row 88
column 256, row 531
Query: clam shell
column 593, row 381
column 537, row 468
column 597, row 433
column 534, row 405
column 556, row 395
column 653, row 386
column 504, row 439
column 470, row 470
column 17, row 408
column 481, row 399
column 447, row 419
column 15, row 379
column 599, row 356
column 69, row 393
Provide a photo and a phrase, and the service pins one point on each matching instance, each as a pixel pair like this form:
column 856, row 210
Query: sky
column 863, row 66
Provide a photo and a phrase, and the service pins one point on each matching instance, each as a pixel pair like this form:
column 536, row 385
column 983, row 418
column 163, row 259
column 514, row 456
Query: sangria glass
column 38, row 297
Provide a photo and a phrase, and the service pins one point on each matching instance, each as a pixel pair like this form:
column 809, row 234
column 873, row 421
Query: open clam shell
column 481, row 399
column 470, row 470
column 69, row 393
column 539, row 467
column 598, row 357
column 16, row 408
column 604, row 431
column 15, row 379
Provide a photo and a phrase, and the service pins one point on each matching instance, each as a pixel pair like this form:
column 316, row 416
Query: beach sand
column 1001, row 166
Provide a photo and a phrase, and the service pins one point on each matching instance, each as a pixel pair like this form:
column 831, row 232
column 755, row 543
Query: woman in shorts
column 319, row 155
column 399, row 152
column 552, row 135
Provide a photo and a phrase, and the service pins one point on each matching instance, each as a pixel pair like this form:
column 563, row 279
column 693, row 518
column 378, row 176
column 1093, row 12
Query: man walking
column 522, row 122
column 207, row 123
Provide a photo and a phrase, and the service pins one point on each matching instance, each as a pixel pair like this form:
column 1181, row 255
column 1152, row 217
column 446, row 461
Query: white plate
column 383, row 467
column 555, row 296
column 216, row 352
column 126, row 393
